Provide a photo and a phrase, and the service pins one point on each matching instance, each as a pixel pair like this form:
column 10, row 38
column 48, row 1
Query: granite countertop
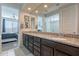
column 65, row 40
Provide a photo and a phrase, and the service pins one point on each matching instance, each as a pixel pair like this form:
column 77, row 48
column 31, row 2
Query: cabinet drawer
column 59, row 53
column 67, row 49
column 30, row 44
column 37, row 44
column 31, row 48
column 46, row 51
column 37, row 39
column 26, row 43
column 36, row 53
column 37, row 48
column 30, row 40
column 48, row 42
column 27, row 37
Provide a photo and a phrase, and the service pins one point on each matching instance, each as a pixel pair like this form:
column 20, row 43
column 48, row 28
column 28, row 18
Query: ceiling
column 40, row 7
column 13, row 5
column 35, row 6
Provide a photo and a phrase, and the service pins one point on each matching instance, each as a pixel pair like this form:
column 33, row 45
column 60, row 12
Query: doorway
column 9, row 33
column 10, row 28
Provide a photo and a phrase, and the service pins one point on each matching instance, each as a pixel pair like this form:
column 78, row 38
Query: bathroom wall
column 78, row 18
column 0, row 31
column 69, row 19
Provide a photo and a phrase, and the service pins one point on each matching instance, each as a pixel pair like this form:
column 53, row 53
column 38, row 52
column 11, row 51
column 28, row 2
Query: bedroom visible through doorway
column 10, row 27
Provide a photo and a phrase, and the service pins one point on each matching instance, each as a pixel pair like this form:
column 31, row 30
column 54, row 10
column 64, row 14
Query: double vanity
column 47, row 44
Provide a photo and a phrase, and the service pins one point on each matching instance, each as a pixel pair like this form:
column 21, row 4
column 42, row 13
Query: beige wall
column 78, row 19
column 69, row 19
column 0, row 31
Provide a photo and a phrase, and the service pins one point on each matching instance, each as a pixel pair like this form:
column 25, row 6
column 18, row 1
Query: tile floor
column 10, row 45
column 11, row 49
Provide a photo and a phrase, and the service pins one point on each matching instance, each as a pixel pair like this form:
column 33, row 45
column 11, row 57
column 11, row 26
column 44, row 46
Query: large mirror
column 63, row 20
column 32, row 22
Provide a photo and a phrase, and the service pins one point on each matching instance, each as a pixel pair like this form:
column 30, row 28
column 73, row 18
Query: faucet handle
column 73, row 32
column 73, row 35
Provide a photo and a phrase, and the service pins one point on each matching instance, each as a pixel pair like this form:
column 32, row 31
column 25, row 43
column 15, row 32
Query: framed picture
column 26, row 21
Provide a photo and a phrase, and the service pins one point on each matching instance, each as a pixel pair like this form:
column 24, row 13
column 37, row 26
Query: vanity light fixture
column 29, row 8
column 36, row 11
column 45, row 6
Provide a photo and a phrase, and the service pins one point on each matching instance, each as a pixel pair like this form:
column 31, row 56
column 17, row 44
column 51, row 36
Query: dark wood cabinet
column 37, row 44
column 37, row 39
column 45, row 47
column 37, row 48
column 27, row 41
column 24, row 40
column 46, row 51
column 67, row 49
column 31, row 39
column 36, row 52
column 59, row 53
column 31, row 47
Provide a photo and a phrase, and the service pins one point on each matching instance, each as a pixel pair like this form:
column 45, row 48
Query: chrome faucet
column 61, row 34
column 73, row 34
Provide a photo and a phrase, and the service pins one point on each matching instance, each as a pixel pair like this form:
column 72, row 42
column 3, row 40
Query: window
column 48, row 24
column 10, row 19
column 10, row 26
column 9, row 12
column 52, row 23
column 40, row 24
column 15, row 26
column 33, row 23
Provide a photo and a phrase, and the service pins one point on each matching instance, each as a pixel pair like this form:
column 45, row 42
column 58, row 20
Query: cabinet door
column 36, row 39
column 59, row 53
column 37, row 44
column 37, row 48
column 31, row 39
column 31, row 47
column 67, row 49
column 36, row 53
column 24, row 42
column 46, row 51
